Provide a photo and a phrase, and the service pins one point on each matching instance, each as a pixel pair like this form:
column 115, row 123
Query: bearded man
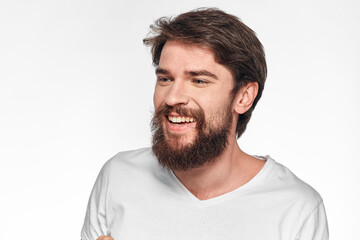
column 195, row 182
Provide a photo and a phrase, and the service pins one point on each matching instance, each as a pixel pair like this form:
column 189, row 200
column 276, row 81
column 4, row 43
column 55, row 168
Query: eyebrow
column 160, row 70
column 202, row 73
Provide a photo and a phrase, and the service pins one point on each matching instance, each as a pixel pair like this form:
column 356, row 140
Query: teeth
column 180, row 119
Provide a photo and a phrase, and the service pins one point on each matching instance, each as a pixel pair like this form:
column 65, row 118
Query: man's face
column 193, row 111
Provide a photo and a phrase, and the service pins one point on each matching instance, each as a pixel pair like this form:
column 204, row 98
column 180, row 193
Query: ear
column 245, row 97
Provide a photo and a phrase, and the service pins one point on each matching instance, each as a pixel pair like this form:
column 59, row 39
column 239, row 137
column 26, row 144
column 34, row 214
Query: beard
column 208, row 144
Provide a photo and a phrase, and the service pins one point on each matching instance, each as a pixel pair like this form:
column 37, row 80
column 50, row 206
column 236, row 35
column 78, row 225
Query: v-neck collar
column 266, row 169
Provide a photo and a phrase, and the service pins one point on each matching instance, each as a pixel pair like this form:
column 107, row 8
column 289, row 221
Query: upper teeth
column 181, row 119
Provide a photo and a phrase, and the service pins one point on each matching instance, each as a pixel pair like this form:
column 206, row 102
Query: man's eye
column 199, row 81
column 163, row 79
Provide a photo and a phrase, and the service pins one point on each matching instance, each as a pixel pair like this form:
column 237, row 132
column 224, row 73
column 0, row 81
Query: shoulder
column 292, row 189
column 142, row 157
column 130, row 163
column 290, row 197
column 133, row 156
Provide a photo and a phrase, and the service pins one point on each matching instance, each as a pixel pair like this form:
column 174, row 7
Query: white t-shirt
column 134, row 198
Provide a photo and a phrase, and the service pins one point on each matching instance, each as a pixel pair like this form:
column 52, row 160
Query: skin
column 105, row 238
column 188, row 75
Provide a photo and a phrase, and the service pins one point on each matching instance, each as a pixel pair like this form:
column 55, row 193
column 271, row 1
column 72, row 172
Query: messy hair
column 233, row 44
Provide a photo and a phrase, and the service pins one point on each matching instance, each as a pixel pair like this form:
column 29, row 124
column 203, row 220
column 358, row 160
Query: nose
column 176, row 94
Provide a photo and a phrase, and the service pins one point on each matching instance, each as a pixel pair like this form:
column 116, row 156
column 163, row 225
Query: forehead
column 173, row 50
column 177, row 55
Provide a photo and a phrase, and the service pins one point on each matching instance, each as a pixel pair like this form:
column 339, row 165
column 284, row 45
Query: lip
column 174, row 114
column 178, row 128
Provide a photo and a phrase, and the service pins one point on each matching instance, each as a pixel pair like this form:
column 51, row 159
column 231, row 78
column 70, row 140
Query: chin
column 179, row 142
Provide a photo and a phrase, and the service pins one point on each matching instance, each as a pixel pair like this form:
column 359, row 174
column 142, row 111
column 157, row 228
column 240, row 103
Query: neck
column 228, row 172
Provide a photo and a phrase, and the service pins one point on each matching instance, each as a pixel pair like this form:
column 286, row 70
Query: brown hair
column 233, row 43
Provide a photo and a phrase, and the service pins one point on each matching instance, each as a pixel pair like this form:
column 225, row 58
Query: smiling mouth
column 180, row 119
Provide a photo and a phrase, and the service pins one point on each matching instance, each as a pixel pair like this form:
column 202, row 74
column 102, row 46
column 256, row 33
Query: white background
column 76, row 87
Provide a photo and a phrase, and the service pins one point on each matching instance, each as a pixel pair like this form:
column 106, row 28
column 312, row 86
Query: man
column 196, row 182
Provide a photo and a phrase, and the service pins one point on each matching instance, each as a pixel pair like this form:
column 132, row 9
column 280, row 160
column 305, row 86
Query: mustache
column 197, row 114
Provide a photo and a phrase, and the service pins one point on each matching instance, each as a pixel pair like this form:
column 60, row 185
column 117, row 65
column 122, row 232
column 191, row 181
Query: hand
column 105, row 238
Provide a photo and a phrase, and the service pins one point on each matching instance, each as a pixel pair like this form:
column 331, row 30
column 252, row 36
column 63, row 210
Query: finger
column 105, row 238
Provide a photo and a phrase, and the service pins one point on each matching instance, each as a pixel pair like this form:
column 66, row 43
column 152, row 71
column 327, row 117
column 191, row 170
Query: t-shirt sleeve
column 95, row 218
column 315, row 226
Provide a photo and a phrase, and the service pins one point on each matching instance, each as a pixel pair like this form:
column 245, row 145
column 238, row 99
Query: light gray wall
column 76, row 87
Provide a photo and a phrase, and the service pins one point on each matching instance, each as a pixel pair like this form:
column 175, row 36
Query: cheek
column 216, row 110
column 157, row 98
